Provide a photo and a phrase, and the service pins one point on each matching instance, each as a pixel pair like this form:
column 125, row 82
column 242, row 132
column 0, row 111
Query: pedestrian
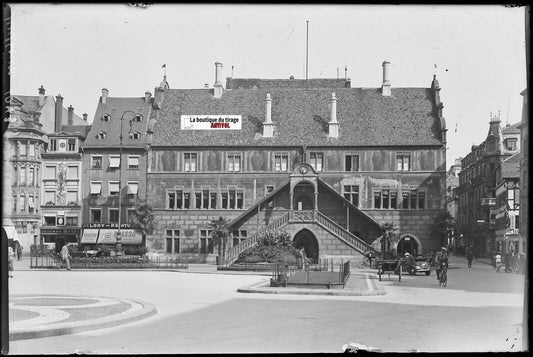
column 507, row 262
column 10, row 258
column 469, row 257
column 65, row 256
column 19, row 251
column 438, row 260
column 369, row 256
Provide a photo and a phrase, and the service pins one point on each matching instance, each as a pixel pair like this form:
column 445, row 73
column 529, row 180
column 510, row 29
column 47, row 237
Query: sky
column 477, row 52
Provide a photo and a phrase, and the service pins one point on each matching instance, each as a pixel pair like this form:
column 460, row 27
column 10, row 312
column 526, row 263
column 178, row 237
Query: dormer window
column 101, row 135
column 138, row 117
column 510, row 144
column 135, row 135
column 106, row 117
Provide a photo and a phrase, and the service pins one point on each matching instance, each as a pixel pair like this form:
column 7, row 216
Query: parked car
column 423, row 265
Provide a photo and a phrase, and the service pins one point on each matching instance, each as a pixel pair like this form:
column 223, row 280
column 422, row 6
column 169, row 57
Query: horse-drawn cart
column 390, row 267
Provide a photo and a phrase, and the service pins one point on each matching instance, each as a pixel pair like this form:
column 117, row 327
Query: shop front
column 55, row 238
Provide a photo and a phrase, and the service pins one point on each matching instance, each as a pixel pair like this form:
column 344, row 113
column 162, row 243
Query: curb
column 82, row 326
column 264, row 288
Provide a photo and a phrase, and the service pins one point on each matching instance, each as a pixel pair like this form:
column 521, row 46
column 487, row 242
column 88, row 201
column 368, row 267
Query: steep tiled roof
column 511, row 166
column 511, row 129
column 116, row 107
column 366, row 118
column 31, row 105
column 258, row 83
column 79, row 130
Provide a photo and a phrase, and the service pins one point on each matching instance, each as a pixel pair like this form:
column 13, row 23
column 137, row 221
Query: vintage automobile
column 423, row 265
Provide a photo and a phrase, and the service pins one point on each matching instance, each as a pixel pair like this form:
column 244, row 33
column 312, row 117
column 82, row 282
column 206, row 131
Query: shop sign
column 89, row 236
column 106, row 225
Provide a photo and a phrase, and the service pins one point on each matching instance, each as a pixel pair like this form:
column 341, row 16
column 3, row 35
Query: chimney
column 147, row 97
column 105, row 93
column 268, row 126
column 41, row 95
column 385, row 87
column 333, row 123
column 218, row 84
column 84, row 116
column 59, row 113
column 70, row 115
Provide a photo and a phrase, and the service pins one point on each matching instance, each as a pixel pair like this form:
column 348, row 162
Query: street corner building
column 42, row 165
column 325, row 162
column 114, row 168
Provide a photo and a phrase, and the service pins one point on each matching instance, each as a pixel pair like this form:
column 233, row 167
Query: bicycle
column 443, row 275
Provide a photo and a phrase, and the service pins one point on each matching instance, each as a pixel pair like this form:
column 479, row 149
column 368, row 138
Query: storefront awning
column 109, row 236
column 90, row 236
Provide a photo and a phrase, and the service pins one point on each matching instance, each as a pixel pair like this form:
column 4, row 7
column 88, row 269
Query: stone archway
column 408, row 244
column 307, row 240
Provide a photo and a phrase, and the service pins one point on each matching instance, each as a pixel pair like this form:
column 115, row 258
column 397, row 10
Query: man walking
column 438, row 260
column 469, row 257
column 65, row 256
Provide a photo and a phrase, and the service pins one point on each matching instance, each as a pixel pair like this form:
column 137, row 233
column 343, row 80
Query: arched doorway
column 408, row 244
column 306, row 239
column 304, row 194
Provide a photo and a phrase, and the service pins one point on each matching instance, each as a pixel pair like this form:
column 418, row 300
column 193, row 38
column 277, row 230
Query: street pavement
column 200, row 311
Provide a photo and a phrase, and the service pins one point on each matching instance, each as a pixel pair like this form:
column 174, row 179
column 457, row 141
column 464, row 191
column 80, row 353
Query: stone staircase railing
column 233, row 252
column 356, row 242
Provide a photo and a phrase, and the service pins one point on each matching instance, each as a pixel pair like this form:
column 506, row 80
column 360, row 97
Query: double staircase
column 298, row 217
column 234, row 252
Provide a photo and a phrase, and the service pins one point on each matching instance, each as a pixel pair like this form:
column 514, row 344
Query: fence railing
column 53, row 261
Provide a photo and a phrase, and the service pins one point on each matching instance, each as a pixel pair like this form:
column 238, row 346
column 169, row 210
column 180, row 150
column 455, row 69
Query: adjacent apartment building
column 62, row 181
column 477, row 186
column 31, row 119
column 114, row 168
column 324, row 161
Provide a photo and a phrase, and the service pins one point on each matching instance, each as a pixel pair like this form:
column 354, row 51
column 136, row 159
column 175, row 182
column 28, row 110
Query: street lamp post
column 119, row 237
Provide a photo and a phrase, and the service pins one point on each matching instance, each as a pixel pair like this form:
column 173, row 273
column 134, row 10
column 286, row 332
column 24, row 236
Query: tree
column 389, row 236
column 143, row 221
column 220, row 234
column 443, row 225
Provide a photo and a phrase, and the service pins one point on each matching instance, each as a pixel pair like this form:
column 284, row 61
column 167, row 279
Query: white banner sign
column 211, row 122
column 89, row 236
column 129, row 236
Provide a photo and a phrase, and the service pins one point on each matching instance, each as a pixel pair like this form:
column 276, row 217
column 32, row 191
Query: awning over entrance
column 11, row 232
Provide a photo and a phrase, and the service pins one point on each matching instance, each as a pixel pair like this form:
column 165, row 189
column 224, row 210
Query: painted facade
column 324, row 161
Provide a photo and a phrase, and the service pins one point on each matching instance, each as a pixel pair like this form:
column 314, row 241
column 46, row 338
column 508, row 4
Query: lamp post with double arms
column 119, row 236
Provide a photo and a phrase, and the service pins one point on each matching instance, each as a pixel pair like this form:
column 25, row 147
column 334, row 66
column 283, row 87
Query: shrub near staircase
column 272, row 247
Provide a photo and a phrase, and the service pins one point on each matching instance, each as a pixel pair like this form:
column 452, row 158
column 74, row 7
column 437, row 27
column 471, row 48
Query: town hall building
column 325, row 162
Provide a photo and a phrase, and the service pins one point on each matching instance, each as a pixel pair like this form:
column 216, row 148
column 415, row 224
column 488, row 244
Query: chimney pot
column 58, row 113
column 70, row 115
column 105, row 94
column 84, row 116
column 386, row 86
column 218, row 89
column 333, row 125
column 147, row 96
column 41, row 95
column 268, row 126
